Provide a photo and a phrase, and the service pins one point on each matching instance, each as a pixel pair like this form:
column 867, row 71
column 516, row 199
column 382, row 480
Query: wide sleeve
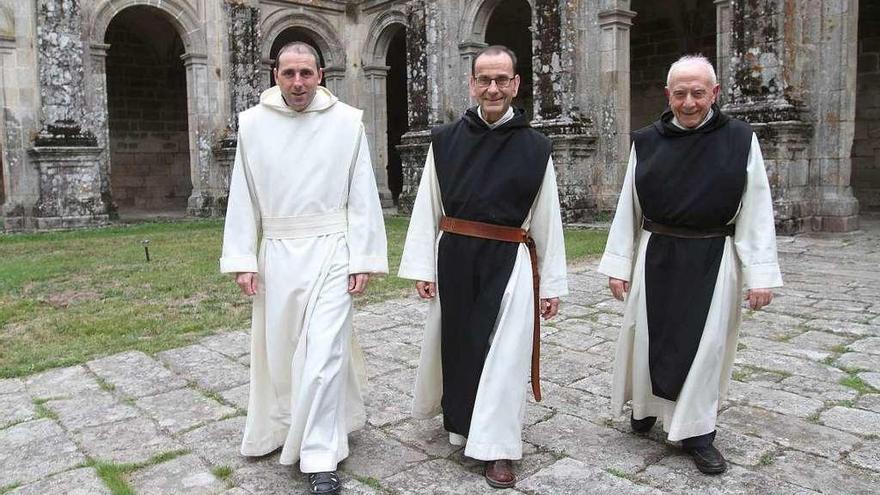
column 546, row 229
column 242, row 219
column 419, row 259
column 755, row 237
column 367, row 245
column 617, row 261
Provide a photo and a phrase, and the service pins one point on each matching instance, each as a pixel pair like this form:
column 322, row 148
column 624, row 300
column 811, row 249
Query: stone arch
column 322, row 32
column 476, row 18
column 379, row 37
column 179, row 13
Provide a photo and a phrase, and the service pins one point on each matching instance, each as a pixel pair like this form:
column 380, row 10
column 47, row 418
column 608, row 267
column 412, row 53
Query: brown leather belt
column 508, row 234
column 687, row 232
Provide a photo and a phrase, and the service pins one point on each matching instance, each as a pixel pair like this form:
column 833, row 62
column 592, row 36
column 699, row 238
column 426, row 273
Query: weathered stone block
column 185, row 474
column 135, row 374
column 856, row 421
column 132, row 440
column 35, row 449
column 182, row 409
column 569, row 477
column 379, row 456
column 83, row 481
column 209, row 369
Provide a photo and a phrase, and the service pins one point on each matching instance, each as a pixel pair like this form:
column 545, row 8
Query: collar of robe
column 667, row 128
column 473, row 119
column 272, row 98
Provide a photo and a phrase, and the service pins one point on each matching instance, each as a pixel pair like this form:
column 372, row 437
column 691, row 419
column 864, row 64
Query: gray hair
column 692, row 60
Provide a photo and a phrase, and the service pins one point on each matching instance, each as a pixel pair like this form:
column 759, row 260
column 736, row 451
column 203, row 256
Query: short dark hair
column 494, row 50
column 302, row 48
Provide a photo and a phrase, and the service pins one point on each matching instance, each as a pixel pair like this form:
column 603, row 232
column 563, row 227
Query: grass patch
column 845, row 403
column 766, row 459
column 857, row 384
column 829, row 361
column 813, row 418
column 839, row 349
column 43, row 411
column 104, row 384
column 8, row 488
column 67, row 297
column 739, row 375
column 618, row 473
column 222, row 472
column 113, row 475
column 370, row 481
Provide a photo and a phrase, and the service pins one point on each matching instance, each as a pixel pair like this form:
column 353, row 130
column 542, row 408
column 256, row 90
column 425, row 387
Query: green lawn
column 68, row 297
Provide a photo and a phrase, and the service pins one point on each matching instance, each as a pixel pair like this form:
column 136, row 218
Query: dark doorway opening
column 510, row 25
column 866, row 141
column 663, row 31
column 148, row 116
column 395, row 102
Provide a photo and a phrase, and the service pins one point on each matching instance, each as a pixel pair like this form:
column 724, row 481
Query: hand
column 357, row 283
column 426, row 290
column 758, row 298
column 248, row 282
column 549, row 307
column 619, row 288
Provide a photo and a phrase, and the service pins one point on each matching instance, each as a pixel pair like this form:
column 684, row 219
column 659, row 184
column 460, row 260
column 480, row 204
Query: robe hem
column 238, row 264
column 493, row 451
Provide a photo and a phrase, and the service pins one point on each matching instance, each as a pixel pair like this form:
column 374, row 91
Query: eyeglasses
column 500, row 81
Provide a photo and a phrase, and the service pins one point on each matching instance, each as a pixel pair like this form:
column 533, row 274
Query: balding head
column 300, row 48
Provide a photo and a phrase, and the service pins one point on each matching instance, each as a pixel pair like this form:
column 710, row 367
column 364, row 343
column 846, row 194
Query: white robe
column 749, row 260
column 496, row 424
column 296, row 170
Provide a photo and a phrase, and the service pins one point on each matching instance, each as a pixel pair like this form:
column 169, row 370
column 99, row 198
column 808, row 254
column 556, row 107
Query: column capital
column 99, row 49
column 334, row 73
column 722, row 3
column 190, row 59
column 471, row 47
column 616, row 17
column 376, row 70
column 7, row 43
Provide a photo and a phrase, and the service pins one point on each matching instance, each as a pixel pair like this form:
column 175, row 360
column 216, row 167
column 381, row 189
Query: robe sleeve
column 617, row 261
column 755, row 238
column 242, row 219
column 367, row 246
column 419, row 259
column 546, row 229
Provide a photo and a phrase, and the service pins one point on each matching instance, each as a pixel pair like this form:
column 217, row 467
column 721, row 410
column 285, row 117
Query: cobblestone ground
column 803, row 414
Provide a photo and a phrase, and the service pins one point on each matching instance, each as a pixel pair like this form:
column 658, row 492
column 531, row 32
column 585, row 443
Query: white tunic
column 303, row 213
column 749, row 260
column 496, row 424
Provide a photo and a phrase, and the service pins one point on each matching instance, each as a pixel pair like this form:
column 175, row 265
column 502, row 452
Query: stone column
column 795, row 106
column 65, row 153
column 8, row 144
column 413, row 147
column 204, row 200
column 98, row 118
column 376, row 120
column 247, row 74
column 722, row 43
column 333, row 77
column 266, row 72
column 556, row 115
column 614, row 81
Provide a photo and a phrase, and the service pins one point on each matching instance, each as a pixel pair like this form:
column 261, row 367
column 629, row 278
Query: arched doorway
column 290, row 35
column 663, row 31
column 510, row 25
column 396, row 108
column 866, row 142
column 146, row 100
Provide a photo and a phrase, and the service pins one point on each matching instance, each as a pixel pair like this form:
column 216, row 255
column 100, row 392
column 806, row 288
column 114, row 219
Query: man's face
column 494, row 85
column 691, row 94
column 298, row 76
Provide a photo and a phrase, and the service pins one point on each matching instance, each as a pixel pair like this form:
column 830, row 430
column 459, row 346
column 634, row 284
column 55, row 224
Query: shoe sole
column 498, row 484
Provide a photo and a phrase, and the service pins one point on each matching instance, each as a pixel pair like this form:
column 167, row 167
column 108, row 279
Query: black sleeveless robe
column 686, row 178
column 485, row 175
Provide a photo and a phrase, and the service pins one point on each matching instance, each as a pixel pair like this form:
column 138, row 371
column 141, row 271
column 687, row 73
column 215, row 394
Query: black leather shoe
column 326, row 483
column 643, row 425
column 708, row 460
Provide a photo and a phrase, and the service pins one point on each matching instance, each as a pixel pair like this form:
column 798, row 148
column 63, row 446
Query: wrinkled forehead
column 690, row 75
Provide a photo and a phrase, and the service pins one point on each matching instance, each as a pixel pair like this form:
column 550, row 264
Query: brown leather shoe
column 499, row 474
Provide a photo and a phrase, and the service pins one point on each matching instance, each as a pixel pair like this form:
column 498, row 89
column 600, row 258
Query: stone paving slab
column 135, row 374
column 187, row 474
column 796, row 421
column 83, row 481
column 34, row 450
column 133, row 440
column 209, row 369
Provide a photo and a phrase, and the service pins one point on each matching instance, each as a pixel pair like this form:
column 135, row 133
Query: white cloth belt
column 305, row 226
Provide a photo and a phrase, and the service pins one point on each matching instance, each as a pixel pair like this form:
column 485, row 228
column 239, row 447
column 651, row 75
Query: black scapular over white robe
column 477, row 346
column 677, row 345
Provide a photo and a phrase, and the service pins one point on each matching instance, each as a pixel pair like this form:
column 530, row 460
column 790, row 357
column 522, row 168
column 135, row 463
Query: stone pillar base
column 206, row 205
column 70, row 189
column 574, row 156
column 413, row 149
